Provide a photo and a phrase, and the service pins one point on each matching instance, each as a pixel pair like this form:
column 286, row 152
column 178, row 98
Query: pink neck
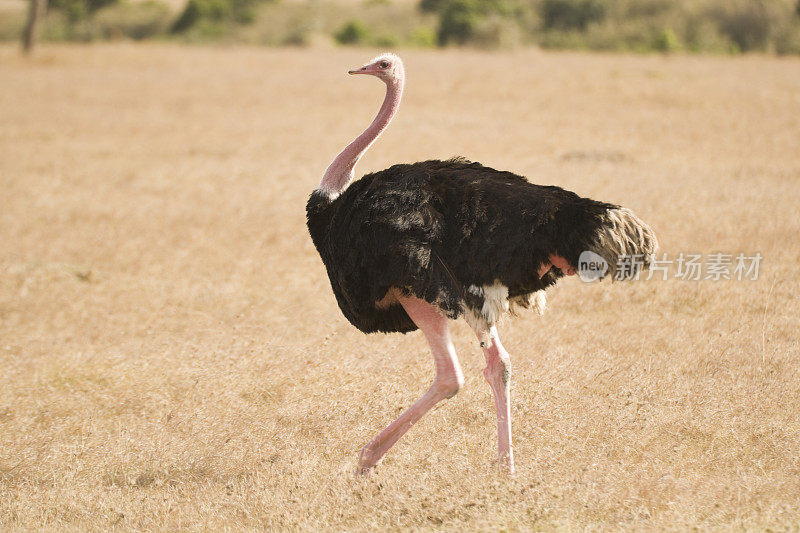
column 340, row 172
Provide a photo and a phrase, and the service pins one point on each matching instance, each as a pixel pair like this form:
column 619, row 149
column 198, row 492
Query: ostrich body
column 416, row 245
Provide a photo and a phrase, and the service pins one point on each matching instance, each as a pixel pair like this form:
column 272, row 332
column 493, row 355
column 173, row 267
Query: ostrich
column 416, row 245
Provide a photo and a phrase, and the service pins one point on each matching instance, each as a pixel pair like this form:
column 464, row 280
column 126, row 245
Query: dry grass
column 172, row 356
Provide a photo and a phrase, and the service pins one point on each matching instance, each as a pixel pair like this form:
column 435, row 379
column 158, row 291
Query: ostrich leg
column 448, row 380
column 498, row 374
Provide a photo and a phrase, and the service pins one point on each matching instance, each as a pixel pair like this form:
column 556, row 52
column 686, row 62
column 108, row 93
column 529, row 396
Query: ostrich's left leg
column 448, row 380
column 498, row 374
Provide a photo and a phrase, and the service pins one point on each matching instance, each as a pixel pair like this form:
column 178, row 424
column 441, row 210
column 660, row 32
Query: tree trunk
column 35, row 12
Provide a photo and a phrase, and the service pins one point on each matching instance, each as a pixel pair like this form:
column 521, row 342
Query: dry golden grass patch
column 172, row 356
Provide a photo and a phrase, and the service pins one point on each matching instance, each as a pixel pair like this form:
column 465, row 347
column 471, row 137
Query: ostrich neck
column 340, row 172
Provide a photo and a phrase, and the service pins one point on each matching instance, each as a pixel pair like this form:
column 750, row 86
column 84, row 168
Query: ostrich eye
column 384, row 64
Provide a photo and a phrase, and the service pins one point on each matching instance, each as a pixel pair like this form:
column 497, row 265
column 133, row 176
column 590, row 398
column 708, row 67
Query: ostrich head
column 386, row 67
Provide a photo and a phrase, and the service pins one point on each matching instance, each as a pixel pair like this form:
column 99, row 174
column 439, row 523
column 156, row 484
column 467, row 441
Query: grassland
column 171, row 356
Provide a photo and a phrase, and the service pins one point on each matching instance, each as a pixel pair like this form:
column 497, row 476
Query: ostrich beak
column 362, row 70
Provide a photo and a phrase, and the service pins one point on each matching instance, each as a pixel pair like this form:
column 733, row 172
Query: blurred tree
column 571, row 14
column 463, row 21
column 458, row 21
column 76, row 10
column 215, row 12
column 432, row 6
column 748, row 23
column 36, row 9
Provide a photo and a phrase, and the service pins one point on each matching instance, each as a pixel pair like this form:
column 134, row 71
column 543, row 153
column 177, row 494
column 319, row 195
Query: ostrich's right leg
column 449, row 378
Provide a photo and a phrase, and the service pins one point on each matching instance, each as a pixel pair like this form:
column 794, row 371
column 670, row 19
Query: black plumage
column 435, row 228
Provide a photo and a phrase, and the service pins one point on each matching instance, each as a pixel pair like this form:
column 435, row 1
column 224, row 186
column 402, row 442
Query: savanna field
column 172, row 357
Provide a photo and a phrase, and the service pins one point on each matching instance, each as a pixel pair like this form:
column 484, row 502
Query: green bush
column 432, row 6
column 353, row 32
column 76, row 10
column 481, row 22
column 571, row 14
column 459, row 21
column 666, row 41
column 357, row 33
column 423, row 37
column 214, row 13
